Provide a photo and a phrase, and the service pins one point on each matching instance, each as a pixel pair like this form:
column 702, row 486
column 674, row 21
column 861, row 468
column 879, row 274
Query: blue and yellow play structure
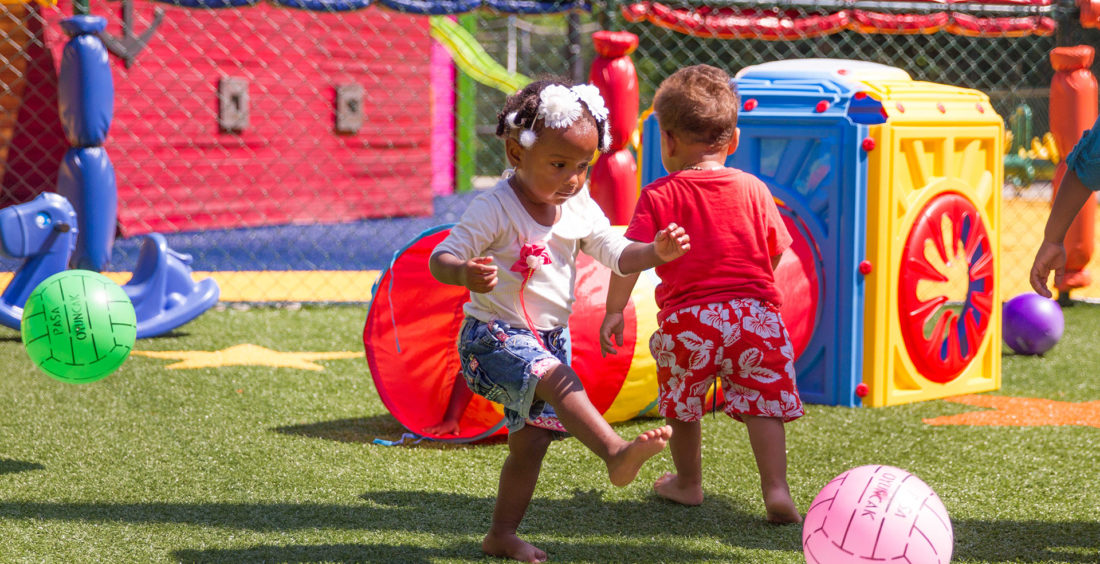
column 897, row 184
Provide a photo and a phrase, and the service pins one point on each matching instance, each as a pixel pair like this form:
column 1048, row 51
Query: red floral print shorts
column 744, row 343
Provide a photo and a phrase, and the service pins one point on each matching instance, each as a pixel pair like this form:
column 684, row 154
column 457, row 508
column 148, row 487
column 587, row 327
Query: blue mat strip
column 362, row 245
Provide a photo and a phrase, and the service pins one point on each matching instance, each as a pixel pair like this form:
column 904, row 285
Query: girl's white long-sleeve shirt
column 496, row 225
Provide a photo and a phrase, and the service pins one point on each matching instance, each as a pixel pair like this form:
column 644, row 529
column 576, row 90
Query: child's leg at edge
column 769, row 444
column 562, row 389
column 686, row 444
column 518, row 476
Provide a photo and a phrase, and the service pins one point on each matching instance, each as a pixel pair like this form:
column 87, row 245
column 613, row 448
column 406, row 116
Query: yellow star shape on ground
column 1021, row 412
column 246, row 355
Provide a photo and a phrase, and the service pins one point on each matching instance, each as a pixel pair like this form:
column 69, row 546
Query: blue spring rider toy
column 43, row 231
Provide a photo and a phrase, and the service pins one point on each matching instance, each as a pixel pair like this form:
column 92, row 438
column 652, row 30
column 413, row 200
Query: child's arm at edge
column 1071, row 196
column 618, row 295
column 478, row 274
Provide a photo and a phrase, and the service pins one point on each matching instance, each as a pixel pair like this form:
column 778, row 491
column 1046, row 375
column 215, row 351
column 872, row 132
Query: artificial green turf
column 243, row 464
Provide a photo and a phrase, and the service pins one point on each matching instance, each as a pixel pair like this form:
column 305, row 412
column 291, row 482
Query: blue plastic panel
column 809, row 155
column 86, row 91
column 87, row 179
column 815, row 166
column 325, row 5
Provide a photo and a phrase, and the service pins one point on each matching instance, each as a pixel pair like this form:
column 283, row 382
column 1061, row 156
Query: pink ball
column 877, row 513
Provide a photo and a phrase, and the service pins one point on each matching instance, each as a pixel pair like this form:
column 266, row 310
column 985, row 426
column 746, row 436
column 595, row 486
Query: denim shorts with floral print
column 504, row 364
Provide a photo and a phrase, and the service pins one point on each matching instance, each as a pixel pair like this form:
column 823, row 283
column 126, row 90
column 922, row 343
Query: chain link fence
column 264, row 139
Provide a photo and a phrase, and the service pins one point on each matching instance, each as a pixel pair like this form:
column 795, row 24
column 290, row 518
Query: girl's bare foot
column 780, row 506
column 670, row 488
column 511, row 546
column 624, row 465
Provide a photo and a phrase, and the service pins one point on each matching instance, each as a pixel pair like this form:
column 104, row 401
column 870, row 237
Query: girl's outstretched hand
column 480, row 275
column 672, row 242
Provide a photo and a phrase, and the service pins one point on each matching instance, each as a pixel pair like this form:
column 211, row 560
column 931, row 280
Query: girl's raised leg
column 562, row 389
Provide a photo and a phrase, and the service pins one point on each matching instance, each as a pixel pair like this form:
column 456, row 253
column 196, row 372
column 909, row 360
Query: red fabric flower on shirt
column 531, row 257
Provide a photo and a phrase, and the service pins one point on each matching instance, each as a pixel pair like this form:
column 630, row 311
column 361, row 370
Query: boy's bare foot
column 511, row 546
column 670, row 488
column 780, row 506
column 443, row 428
column 623, row 467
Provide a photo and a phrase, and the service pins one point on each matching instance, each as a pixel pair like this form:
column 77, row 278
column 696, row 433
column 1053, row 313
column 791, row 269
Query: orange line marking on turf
column 1021, row 412
column 246, row 355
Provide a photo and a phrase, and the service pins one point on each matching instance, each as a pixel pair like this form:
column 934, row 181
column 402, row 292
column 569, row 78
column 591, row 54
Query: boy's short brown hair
column 698, row 103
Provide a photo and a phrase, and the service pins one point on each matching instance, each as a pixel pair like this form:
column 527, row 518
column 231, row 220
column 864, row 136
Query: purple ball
column 1032, row 324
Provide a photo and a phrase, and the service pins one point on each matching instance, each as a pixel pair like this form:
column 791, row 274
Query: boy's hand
column 480, row 275
column 671, row 242
column 1050, row 256
column 611, row 333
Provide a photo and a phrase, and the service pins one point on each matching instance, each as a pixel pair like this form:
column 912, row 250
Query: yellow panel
column 938, row 139
column 929, row 103
column 277, row 286
column 294, row 286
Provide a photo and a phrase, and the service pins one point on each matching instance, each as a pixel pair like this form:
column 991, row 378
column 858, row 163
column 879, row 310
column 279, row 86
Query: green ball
column 78, row 326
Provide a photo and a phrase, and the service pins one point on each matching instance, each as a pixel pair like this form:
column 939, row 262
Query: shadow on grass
column 356, row 430
column 9, row 466
column 640, row 523
column 1027, row 541
column 468, row 552
column 366, row 429
column 171, row 335
column 650, row 528
column 325, row 553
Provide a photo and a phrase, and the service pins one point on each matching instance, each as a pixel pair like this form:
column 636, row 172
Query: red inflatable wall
column 178, row 171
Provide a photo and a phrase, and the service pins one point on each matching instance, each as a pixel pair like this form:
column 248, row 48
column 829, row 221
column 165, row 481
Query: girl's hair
column 521, row 111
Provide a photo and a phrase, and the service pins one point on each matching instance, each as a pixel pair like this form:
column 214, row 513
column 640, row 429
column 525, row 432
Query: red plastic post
column 1073, row 99
column 613, row 181
column 1090, row 13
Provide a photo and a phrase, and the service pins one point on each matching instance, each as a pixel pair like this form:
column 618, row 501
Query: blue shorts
column 1084, row 159
column 504, row 365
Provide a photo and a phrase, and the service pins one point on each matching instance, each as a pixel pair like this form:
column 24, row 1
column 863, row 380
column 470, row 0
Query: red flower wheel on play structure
column 948, row 229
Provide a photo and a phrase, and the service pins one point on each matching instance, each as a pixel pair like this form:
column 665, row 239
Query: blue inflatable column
column 86, row 100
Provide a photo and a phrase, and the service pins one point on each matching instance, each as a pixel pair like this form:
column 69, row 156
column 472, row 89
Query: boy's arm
column 477, row 274
column 776, row 260
column 618, row 295
column 1072, row 194
column 671, row 243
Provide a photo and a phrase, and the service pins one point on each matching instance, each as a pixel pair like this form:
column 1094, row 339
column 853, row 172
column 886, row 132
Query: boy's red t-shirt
column 735, row 229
